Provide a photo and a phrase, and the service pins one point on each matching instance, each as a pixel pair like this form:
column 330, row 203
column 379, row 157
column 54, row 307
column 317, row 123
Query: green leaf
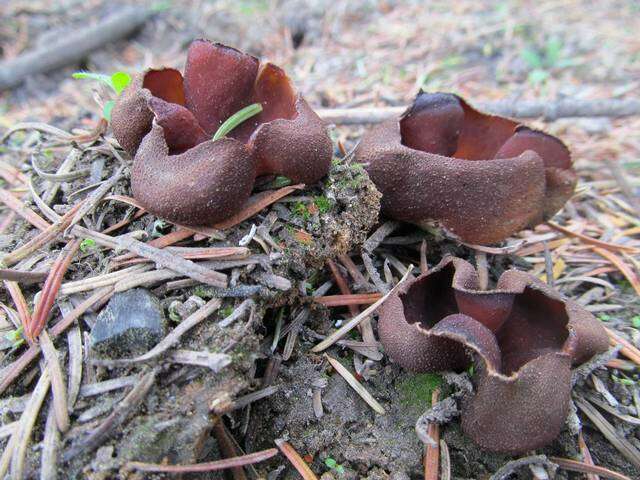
column 87, row 244
column 635, row 321
column 537, row 76
column 120, row 81
column 106, row 110
column 116, row 82
column 553, row 50
column 604, row 317
column 236, row 119
column 532, row 57
column 330, row 462
column 99, row 77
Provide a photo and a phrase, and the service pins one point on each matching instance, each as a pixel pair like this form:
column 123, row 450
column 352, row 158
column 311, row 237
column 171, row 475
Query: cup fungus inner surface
column 526, row 325
column 444, row 124
column 218, row 82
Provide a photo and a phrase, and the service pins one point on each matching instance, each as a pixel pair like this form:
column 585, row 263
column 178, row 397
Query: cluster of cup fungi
column 200, row 140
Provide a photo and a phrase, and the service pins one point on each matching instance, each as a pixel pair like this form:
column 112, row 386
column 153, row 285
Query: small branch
column 548, row 110
column 73, row 46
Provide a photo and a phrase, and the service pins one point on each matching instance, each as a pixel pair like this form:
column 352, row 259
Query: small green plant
column 541, row 60
column 16, row 337
column 635, row 321
column 333, row 465
column 202, row 292
column 117, row 82
column 236, row 119
column 87, row 244
column 225, row 312
column 604, row 317
column 174, row 316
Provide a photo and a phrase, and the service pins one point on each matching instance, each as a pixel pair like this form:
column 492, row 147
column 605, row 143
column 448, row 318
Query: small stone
column 130, row 324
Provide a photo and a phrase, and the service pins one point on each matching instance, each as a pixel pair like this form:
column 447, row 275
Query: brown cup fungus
column 167, row 121
column 482, row 177
column 522, row 338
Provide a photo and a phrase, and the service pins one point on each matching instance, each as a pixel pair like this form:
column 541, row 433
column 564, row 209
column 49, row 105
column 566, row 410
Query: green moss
column 226, row 311
column 300, row 210
column 323, row 204
column 416, row 390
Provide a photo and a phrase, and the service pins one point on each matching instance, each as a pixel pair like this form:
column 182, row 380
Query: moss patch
column 416, row 390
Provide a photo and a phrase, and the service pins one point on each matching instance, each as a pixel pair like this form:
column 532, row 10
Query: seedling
column 87, row 244
column 541, row 61
column 333, row 465
column 236, row 119
column 16, row 337
column 116, row 82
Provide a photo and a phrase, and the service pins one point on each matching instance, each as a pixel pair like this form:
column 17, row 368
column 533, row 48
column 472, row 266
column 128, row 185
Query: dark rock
column 130, row 324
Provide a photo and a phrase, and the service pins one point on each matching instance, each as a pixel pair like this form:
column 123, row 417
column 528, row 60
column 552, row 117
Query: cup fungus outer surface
column 482, row 177
column 522, row 379
column 203, row 185
column 286, row 138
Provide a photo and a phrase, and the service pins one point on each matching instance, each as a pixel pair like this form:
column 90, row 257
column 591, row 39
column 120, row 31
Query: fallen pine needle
column 21, row 209
column 355, row 384
column 593, row 241
column 255, row 204
column 628, row 349
column 575, row 466
column 15, row 450
column 347, row 327
column 296, row 460
column 224, row 464
column 50, row 289
column 57, row 382
column 586, row 455
column 432, row 452
column 21, row 304
column 349, row 299
column 13, row 371
column 622, row 266
column 626, row 448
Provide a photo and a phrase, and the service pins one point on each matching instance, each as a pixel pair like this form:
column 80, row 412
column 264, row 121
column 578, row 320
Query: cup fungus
column 522, row 338
column 483, row 177
column 167, row 122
